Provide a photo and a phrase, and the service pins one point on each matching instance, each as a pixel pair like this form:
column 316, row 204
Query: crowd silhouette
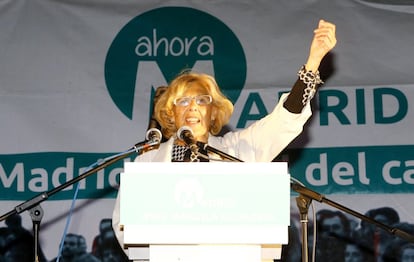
column 340, row 238
column 17, row 245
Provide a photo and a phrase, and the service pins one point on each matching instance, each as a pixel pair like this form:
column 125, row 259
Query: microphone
column 186, row 134
column 154, row 135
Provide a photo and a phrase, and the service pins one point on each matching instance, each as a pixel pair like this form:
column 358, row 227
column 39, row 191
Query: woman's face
column 197, row 113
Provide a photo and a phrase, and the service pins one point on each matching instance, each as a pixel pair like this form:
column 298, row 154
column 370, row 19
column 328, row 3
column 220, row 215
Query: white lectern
column 203, row 212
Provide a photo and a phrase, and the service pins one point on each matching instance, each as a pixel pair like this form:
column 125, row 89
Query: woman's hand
column 324, row 40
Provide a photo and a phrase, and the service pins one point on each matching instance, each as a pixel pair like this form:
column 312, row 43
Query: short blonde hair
column 163, row 110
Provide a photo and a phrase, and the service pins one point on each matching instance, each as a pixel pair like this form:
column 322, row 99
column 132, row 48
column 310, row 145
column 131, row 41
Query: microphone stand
column 207, row 148
column 307, row 195
column 33, row 204
column 304, row 200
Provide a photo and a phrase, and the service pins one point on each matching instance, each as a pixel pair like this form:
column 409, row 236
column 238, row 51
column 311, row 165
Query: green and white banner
column 77, row 78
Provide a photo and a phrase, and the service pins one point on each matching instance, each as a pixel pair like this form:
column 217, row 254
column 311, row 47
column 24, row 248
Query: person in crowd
column 292, row 251
column 355, row 248
column 407, row 253
column 105, row 245
column 112, row 251
column 353, row 253
column 385, row 215
column 20, row 239
column 104, row 226
column 196, row 101
column 398, row 248
column 75, row 250
column 82, row 254
column 4, row 234
column 332, row 223
column 377, row 238
column 70, row 248
column 333, row 230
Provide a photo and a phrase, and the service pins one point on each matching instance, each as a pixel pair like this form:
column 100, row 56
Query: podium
column 203, row 212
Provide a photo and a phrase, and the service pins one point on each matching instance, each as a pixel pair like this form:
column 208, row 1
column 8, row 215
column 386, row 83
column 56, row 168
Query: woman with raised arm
column 195, row 101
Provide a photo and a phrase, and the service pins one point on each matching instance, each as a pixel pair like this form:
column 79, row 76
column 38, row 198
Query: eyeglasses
column 201, row 100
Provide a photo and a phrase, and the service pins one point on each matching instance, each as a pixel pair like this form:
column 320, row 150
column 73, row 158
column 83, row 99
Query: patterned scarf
column 183, row 154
